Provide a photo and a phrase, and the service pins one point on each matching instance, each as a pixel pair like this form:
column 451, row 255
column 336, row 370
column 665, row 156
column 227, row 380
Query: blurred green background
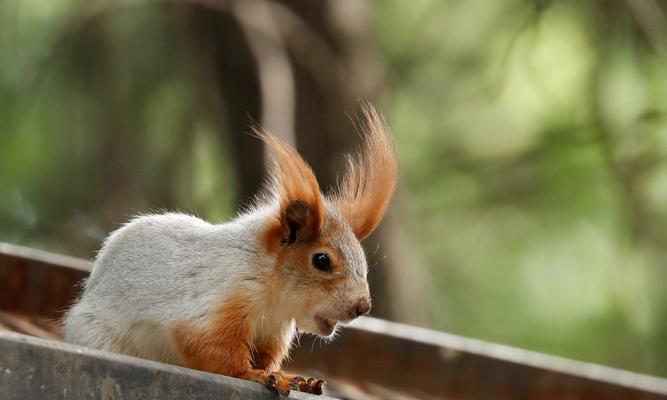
column 532, row 138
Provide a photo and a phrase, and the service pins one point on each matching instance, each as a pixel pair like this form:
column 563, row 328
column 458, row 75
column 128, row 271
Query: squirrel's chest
column 266, row 330
column 271, row 345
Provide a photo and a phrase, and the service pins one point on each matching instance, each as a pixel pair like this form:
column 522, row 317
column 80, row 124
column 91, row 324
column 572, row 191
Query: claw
column 305, row 387
column 280, row 385
column 311, row 385
column 317, row 386
column 271, row 382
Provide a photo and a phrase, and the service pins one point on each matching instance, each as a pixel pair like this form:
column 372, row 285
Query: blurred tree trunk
column 221, row 59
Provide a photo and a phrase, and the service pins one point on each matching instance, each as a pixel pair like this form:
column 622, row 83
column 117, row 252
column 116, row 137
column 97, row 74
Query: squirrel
column 229, row 298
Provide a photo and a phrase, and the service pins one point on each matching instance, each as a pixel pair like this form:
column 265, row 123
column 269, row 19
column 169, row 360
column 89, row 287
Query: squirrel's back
column 153, row 271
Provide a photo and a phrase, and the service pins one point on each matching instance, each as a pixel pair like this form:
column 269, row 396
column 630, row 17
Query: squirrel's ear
column 293, row 184
column 299, row 222
column 368, row 184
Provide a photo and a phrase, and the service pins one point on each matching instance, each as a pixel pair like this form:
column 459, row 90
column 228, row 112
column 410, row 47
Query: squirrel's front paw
column 284, row 383
column 311, row 385
column 280, row 384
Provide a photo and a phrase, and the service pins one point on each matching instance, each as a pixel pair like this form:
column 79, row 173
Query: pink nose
column 363, row 306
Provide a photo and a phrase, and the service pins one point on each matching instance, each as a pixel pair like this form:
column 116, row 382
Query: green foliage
column 531, row 167
column 97, row 123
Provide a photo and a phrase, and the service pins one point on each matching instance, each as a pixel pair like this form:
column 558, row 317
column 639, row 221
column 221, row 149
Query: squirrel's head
column 321, row 267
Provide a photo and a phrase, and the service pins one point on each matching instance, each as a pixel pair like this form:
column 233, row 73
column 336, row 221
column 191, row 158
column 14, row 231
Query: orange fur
column 292, row 179
column 269, row 354
column 299, row 257
column 364, row 193
column 224, row 346
column 272, row 236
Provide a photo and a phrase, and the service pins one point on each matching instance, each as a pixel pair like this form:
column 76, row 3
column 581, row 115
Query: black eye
column 321, row 261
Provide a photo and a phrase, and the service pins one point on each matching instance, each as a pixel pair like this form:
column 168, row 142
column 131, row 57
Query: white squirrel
column 229, row 298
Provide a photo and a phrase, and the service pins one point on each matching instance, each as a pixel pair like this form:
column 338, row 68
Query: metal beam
column 36, row 282
column 426, row 363
column 32, row 368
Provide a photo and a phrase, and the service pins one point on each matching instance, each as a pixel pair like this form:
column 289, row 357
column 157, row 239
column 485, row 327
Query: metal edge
column 45, row 257
column 514, row 355
column 72, row 366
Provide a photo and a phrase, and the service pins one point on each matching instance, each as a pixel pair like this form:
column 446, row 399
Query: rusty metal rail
column 426, row 363
column 35, row 282
column 371, row 357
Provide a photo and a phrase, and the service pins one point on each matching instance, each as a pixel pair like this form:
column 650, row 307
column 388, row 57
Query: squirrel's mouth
column 325, row 325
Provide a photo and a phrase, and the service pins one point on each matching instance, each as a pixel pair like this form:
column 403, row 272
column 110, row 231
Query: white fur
column 158, row 270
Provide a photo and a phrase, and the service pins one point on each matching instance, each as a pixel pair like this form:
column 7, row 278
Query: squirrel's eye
column 321, row 261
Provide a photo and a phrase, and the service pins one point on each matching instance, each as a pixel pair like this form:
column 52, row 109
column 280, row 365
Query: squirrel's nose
column 363, row 306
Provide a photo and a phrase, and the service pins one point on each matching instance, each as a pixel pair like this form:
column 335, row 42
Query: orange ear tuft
column 368, row 184
column 294, row 184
